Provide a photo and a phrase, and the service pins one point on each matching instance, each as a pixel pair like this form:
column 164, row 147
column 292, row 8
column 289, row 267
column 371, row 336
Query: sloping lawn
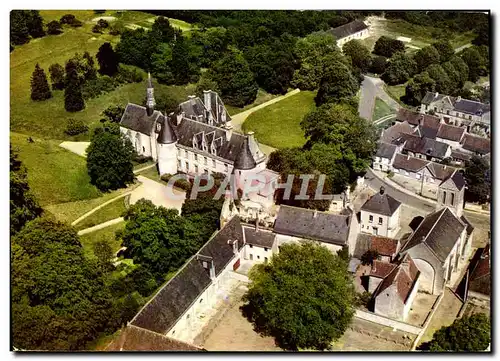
column 262, row 97
column 55, row 174
column 107, row 233
column 110, row 211
column 381, row 109
column 396, row 91
column 278, row 125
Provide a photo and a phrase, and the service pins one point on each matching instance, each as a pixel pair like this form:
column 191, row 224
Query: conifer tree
column 90, row 71
column 107, row 59
column 57, row 76
column 39, row 85
column 73, row 98
column 35, row 24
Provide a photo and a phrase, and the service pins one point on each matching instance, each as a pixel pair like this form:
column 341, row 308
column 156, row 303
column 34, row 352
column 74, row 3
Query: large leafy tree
column 319, row 294
column 387, row 46
column 418, row 87
column 378, row 64
column 443, row 82
column 162, row 30
column 426, row 56
column 40, row 89
column 401, row 67
column 54, row 27
column 180, row 64
column 136, row 47
column 359, row 54
column 234, row 78
column 445, row 50
column 59, row 298
column 73, row 98
column 467, row 334
column 35, row 24
column 19, row 32
column 337, row 84
column 160, row 62
column 23, row 205
column 109, row 160
column 477, row 177
column 214, row 42
column 107, row 59
column 462, row 69
column 475, row 62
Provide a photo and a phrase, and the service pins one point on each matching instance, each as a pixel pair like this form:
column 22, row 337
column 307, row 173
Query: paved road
column 372, row 88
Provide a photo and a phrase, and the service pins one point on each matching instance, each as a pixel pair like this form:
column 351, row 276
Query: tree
column 359, row 54
column 445, row 50
column 19, row 33
column 54, row 27
column 35, row 24
column 337, row 84
column 205, row 83
column 483, row 34
column 235, row 79
column 475, row 62
column 73, row 98
column 387, row 47
column 109, row 161
column 59, row 298
column 102, row 23
column 214, row 42
column 90, row 72
column 319, row 293
column 104, row 254
column 443, row 82
column 113, row 113
column 467, row 334
column 401, row 67
column 425, row 57
column 162, row 30
column 161, row 61
column 314, row 53
column 107, row 59
column 57, row 76
column 462, row 69
column 453, row 75
column 23, row 205
column 378, row 64
column 478, row 181
column 180, row 65
column 369, row 256
column 40, row 89
column 418, row 87
column 136, row 48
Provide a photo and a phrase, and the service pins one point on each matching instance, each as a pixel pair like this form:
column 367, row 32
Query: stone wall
column 389, row 322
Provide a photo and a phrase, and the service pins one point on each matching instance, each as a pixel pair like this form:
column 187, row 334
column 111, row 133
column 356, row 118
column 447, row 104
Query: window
column 196, row 157
column 205, row 264
column 214, row 164
column 179, row 164
column 225, row 168
column 379, row 220
column 179, row 152
column 448, row 112
column 187, row 317
column 444, row 197
column 370, row 219
column 470, row 116
column 265, row 259
column 201, row 299
column 186, row 154
column 435, row 109
column 205, row 160
column 196, row 168
column 258, row 257
column 251, row 257
column 187, row 165
column 251, row 246
column 143, row 149
column 453, row 199
column 265, row 249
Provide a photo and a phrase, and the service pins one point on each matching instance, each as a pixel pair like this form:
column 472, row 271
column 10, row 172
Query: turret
column 244, row 164
column 150, row 101
column 167, row 148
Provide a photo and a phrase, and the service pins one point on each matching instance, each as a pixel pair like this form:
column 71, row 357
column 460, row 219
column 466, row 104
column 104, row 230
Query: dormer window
column 205, row 264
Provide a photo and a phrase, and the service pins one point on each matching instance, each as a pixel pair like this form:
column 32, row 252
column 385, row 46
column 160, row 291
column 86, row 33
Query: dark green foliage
column 103, row 23
column 378, row 64
column 205, row 83
column 387, row 47
column 443, row 83
column 426, row 56
column 75, row 127
column 180, row 65
column 444, row 49
column 136, row 48
column 369, row 256
column 475, row 61
column 114, row 113
column 234, row 78
column 54, row 27
column 453, row 75
column 467, row 334
column 161, row 64
column 162, row 30
column 418, row 87
column 23, row 205
column 483, row 34
column 40, row 89
column 19, row 32
column 97, row 29
column 109, row 161
column 59, row 298
column 67, row 19
column 401, row 67
column 462, row 69
column 35, row 24
column 128, row 74
column 359, row 54
column 318, row 291
column 104, row 254
column 96, row 87
column 90, row 71
column 213, row 42
column 73, row 98
column 107, row 59
column 57, row 76
column 477, row 175
column 344, row 254
column 337, row 84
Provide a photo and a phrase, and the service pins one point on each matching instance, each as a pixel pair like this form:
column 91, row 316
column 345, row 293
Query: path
column 238, row 119
column 78, row 220
column 79, row 148
column 371, row 88
column 158, row 193
column 100, row 226
column 463, row 47
column 144, row 168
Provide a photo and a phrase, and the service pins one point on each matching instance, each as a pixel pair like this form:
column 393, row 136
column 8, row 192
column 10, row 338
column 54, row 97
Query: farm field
column 278, row 125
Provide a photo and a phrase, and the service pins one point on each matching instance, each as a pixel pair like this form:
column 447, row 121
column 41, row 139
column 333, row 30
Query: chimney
column 315, row 214
column 436, row 95
column 229, row 133
column 191, row 96
column 179, row 117
column 251, row 136
column 207, row 99
column 459, row 98
column 212, row 270
column 234, row 244
column 408, row 157
column 382, row 189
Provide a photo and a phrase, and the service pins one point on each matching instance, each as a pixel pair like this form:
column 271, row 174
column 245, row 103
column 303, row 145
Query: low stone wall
column 389, row 322
column 427, row 321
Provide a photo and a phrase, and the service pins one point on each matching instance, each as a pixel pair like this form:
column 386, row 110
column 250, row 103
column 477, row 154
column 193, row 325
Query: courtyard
column 421, row 308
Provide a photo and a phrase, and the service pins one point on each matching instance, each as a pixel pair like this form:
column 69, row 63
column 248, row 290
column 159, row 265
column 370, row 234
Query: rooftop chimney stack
column 459, row 98
column 382, row 190
column 207, row 99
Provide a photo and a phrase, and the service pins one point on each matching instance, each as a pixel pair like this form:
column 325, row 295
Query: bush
column 97, row 29
column 54, row 27
column 75, row 127
column 76, row 23
column 141, row 159
column 128, row 74
column 67, row 19
column 390, row 174
column 99, row 12
column 103, row 23
column 363, row 299
column 95, row 87
column 183, row 184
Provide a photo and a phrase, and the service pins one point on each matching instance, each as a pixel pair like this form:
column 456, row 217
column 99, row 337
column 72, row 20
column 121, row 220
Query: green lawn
column 396, row 91
column 278, row 125
column 381, row 109
column 262, row 97
column 107, row 233
column 55, row 174
column 110, row 211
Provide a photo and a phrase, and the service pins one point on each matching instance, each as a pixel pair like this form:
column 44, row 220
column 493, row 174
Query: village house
column 380, row 215
column 387, row 248
column 384, row 157
column 356, row 29
column 475, row 116
column 475, row 145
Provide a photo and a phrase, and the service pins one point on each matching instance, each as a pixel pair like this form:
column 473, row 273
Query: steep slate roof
column 167, row 134
column 410, row 164
column 385, row 150
column 348, row 29
column 381, row 269
column 426, row 132
column 395, row 131
column 456, row 154
column 193, row 107
column 244, row 160
column 311, row 224
column 384, row 246
column 403, row 276
column 381, row 204
column 135, row 118
column 470, row 227
column 476, row 144
column 259, row 237
column 480, row 278
column 416, row 118
column 425, row 146
column 440, row 171
column 450, row 132
column 457, row 178
column 439, row 231
column 177, row 295
column 462, row 105
column 138, row 339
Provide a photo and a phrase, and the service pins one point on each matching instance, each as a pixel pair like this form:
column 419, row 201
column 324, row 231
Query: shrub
column 141, row 159
column 128, row 74
column 99, row 12
column 390, row 174
column 75, row 127
column 103, row 23
column 95, row 87
column 97, row 29
column 76, row 23
column 54, row 27
column 183, row 184
column 67, row 19
column 363, row 299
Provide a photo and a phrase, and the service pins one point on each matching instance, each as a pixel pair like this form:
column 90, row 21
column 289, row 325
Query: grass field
column 396, row 91
column 278, row 125
column 110, row 211
column 262, row 97
column 54, row 174
column 108, row 233
column 381, row 109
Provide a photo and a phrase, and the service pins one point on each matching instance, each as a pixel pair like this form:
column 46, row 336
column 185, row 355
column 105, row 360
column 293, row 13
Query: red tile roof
column 384, row 246
column 381, row 269
column 403, row 276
